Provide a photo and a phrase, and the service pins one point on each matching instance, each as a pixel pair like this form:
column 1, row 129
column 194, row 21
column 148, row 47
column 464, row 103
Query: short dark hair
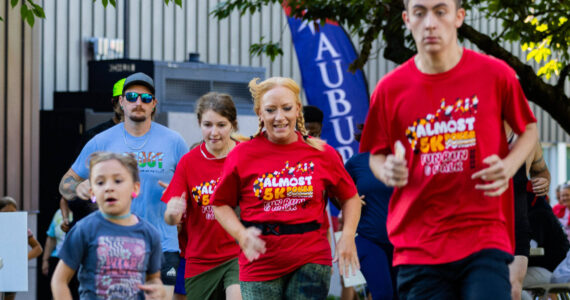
column 313, row 114
column 457, row 4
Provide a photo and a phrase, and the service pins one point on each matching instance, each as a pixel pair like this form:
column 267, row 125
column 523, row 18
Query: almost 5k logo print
column 445, row 140
column 286, row 189
column 201, row 194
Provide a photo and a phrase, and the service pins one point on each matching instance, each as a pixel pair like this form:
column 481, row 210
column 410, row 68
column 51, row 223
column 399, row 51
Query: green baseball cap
column 118, row 87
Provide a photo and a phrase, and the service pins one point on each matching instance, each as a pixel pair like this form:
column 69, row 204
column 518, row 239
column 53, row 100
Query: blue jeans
column 483, row 275
column 309, row 282
column 376, row 266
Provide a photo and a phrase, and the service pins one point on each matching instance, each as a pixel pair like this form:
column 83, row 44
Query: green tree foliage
column 540, row 26
column 30, row 10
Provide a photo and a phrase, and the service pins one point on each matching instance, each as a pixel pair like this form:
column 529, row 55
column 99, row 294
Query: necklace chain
column 129, row 146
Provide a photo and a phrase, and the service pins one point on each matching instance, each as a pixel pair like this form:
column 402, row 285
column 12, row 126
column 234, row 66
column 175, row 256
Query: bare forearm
column 522, row 148
column 351, row 209
column 36, row 248
column 50, row 245
column 227, row 217
column 538, row 167
column 60, row 290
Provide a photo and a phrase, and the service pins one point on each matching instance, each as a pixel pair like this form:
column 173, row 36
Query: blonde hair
column 127, row 160
column 259, row 89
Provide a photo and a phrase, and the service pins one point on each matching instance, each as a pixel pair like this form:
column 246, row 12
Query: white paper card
column 14, row 251
column 351, row 280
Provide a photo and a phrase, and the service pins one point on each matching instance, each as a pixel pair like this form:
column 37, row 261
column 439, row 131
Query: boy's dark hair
column 457, row 4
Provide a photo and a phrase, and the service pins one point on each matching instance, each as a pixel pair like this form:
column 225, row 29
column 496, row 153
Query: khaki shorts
column 213, row 283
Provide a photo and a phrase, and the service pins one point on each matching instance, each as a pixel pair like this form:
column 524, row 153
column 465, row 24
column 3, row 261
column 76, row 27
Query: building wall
column 19, row 108
column 170, row 33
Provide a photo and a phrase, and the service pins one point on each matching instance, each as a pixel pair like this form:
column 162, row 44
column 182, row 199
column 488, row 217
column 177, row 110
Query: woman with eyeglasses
column 212, row 269
column 278, row 179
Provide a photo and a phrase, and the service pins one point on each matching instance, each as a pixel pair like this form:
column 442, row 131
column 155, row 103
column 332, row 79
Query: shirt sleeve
column 74, row 245
column 182, row 148
column 227, row 190
column 51, row 230
column 154, row 260
column 375, row 134
column 81, row 164
column 178, row 183
column 516, row 110
column 340, row 184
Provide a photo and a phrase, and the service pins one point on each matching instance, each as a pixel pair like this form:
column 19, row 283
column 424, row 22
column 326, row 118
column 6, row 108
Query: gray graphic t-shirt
column 112, row 259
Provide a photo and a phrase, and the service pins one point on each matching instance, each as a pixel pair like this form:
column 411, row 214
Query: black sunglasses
column 145, row 98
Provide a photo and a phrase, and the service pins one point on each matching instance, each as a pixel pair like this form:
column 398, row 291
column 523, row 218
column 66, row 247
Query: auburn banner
column 325, row 53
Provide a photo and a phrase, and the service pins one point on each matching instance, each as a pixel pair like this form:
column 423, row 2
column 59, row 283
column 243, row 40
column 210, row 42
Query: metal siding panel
column 27, row 130
column 3, row 74
column 235, row 26
column 86, row 29
column 98, row 19
column 14, row 103
column 203, row 31
column 145, row 41
column 255, row 35
column 245, row 40
column 135, row 36
column 35, row 94
column 48, row 54
column 213, row 37
column 157, row 34
column 264, row 24
column 61, row 47
column 168, row 41
column 192, row 27
column 276, row 25
column 287, row 44
column 180, row 53
column 224, row 43
column 75, row 44
column 110, row 18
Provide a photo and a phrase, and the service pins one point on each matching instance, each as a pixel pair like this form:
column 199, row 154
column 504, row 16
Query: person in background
column 76, row 205
column 209, row 274
column 157, row 150
column 278, row 179
column 563, row 211
column 374, row 249
column 539, row 182
column 55, row 236
column 314, row 124
column 8, row 204
column 116, row 253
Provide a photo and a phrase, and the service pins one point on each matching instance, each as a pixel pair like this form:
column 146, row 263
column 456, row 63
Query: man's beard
column 137, row 119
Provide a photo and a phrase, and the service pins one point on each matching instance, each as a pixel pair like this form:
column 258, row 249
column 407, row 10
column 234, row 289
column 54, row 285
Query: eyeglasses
column 145, row 98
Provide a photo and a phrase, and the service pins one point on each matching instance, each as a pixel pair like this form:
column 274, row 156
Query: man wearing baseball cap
column 157, row 149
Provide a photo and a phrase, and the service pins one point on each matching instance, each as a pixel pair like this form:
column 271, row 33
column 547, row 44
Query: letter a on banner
column 324, row 53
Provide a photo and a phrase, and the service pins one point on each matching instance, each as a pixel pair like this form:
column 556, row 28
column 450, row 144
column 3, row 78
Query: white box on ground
column 14, row 251
column 351, row 280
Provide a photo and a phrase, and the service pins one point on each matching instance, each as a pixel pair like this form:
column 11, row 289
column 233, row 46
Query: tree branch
column 547, row 96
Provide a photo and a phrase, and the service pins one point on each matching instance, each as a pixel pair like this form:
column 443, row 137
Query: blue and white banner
column 325, row 53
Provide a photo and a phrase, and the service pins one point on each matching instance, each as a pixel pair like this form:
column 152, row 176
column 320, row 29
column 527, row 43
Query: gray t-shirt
column 112, row 259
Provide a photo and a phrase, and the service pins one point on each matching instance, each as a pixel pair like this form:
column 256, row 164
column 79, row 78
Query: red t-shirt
column 448, row 122
column 275, row 183
column 208, row 243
